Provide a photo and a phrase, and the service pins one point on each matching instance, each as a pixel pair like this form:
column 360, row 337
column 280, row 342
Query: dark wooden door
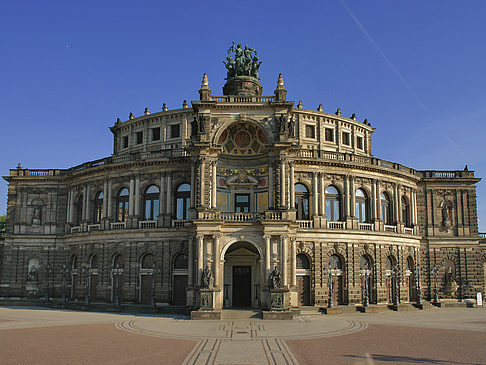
column 411, row 288
column 241, row 286
column 180, row 286
column 390, row 288
column 93, row 288
column 146, row 289
column 303, row 285
column 337, row 289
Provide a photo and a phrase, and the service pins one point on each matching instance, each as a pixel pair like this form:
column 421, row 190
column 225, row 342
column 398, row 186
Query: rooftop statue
column 245, row 62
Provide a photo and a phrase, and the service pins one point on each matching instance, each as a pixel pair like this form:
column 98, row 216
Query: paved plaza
column 33, row 335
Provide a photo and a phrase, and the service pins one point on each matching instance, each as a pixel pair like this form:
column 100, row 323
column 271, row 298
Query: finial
column 338, row 111
column 184, row 104
column 300, row 105
column 118, row 120
column 280, row 81
column 280, row 92
column 164, row 107
column 146, row 111
column 319, row 108
column 205, row 80
column 131, row 116
column 365, row 121
column 353, row 116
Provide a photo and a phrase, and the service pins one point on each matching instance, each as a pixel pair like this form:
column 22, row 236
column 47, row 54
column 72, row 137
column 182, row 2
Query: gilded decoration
column 242, row 139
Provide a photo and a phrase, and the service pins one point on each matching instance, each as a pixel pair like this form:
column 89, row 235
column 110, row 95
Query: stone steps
column 239, row 314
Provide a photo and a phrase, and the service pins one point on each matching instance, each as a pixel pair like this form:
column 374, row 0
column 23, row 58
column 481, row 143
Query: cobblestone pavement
column 43, row 336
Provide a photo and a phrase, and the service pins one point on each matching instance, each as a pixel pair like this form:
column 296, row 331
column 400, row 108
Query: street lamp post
column 365, row 273
column 435, row 272
column 117, row 271
column 396, row 276
column 64, row 273
column 48, row 271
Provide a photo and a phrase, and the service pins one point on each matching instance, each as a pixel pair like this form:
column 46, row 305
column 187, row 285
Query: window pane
column 180, row 208
column 332, row 190
column 156, row 209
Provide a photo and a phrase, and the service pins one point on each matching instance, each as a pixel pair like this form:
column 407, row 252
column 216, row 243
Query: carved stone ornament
column 366, row 247
column 336, row 246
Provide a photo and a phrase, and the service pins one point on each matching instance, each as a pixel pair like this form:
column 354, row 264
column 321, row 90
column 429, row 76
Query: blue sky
column 415, row 69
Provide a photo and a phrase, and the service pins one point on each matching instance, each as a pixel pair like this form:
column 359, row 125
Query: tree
column 3, row 223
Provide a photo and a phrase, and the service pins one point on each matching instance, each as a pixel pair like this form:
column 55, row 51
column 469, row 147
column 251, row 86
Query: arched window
column 74, row 262
column 122, row 205
column 361, row 206
column 302, row 201
column 147, row 261
column 93, row 262
column 79, row 210
column 118, row 261
column 365, row 263
column 335, row 262
column 98, row 208
column 151, row 198
column 405, row 212
column 183, row 201
column 180, row 262
column 333, row 201
column 302, row 261
column 390, row 263
column 385, row 209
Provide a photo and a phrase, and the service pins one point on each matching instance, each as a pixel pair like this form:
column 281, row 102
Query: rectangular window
column 175, row 131
column 139, row 137
column 310, row 131
column 329, row 134
column 346, row 139
column 242, row 202
column 359, row 142
column 155, row 134
column 124, row 141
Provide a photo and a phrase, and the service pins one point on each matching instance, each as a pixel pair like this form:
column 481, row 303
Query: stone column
column 378, row 200
column 105, row 200
column 200, row 263
column 352, row 197
column 271, row 194
column 169, row 193
column 282, row 184
column 292, row 186
column 268, row 269
column 193, row 185
column 216, row 261
column 130, row 196
column 88, row 208
column 202, row 182
column 137, row 196
column 346, row 196
column 293, row 260
column 69, row 207
column 314, row 194
column 398, row 193
column 284, row 260
column 322, row 201
column 109, row 198
column 373, row 200
column 190, row 263
column 162, row 206
column 213, row 187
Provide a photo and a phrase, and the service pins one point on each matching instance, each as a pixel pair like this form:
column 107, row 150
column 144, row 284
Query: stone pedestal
column 423, row 305
column 327, row 310
column 206, row 306
column 399, row 307
column 368, row 309
column 243, row 85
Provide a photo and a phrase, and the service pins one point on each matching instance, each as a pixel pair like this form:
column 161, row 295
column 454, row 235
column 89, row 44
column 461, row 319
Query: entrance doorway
column 180, row 285
column 303, row 285
column 241, row 286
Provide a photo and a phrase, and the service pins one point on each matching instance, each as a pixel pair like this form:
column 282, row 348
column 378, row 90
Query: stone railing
column 336, row 225
column 273, row 216
column 179, row 223
column 147, row 224
column 305, row 224
column 76, row 229
column 118, row 225
column 389, row 228
column 93, row 227
column 482, row 235
column 36, row 172
column 365, row 226
column 447, row 174
column 407, row 230
column 242, row 99
column 240, row 217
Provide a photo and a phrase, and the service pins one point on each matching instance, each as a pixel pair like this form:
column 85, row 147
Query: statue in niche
column 275, row 279
column 207, row 278
column 36, row 217
column 291, row 127
column 446, row 209
column 194, row 127
column 201, row 123
column 282, row 126
column 33, row 275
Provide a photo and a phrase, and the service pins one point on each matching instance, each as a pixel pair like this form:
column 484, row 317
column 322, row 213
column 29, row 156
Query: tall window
column 147, row 261
column 242, row 202
column 302, row 201
column 405, row 212
column 332, row 204
column 180, row 262
column 302, row 261
column 385, row 208
column 79, row 210
column 361, row 206
column 183, row 201
column 151, row 199
column 122, row 205
column 98, row 208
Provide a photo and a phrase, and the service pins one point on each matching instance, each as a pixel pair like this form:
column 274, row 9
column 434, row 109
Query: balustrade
column 118, row 225
column 306, row 224
column 147, row 224
column 93, row 227
column 365, row 226
column 336, row 225
column 179, row 223
column 389, row 228
column 76, row 229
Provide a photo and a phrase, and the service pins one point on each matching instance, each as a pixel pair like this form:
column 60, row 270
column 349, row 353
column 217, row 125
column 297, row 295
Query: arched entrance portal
column 242, row 276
